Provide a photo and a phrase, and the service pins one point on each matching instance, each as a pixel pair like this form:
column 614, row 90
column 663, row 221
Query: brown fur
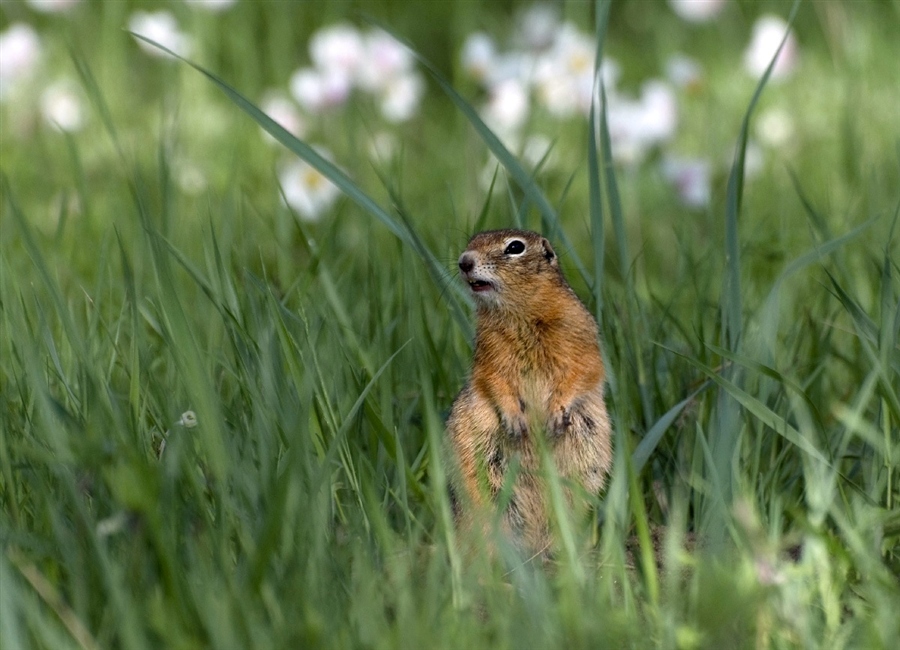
column 536, row 382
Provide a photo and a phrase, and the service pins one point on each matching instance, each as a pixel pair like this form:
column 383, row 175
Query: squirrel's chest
column 528, row 370
column 520, row 360
column 535, row 389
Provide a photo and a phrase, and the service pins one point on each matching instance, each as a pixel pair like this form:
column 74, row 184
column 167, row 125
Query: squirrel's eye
column 515, row 247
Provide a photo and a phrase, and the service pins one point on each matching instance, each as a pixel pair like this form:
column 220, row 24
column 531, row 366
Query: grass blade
column 651, row 439
column 598, row 239
column 732, row 310
column 762, row 412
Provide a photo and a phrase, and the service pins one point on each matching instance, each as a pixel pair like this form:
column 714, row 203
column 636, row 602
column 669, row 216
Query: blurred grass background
column 302, row 502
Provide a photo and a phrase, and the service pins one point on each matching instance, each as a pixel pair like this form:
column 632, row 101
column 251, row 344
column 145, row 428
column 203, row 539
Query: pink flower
column 691, row 178
column 337, row 48
column 317, row 90
column 385, row 58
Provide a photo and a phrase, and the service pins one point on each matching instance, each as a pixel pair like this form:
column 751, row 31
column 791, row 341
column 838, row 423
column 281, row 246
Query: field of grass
column 221, row 423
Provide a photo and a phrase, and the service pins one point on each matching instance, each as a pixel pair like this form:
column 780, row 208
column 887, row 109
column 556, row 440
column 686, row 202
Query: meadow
column 228, row 341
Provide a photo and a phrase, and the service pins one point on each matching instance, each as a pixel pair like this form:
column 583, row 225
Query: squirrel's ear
column 549, row 255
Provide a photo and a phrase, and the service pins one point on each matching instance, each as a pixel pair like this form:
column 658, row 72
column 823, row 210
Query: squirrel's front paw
column 560, row 421
column 515, row 425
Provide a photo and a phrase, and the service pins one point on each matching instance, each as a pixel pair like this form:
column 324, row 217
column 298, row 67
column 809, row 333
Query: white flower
column 507, row 108
column 61, row 106
column 191, row 180
column 160, row 27
column 212, row 5
column 683, row 71
column 660, row 111
column 691, row 178
column 557, row 95
column 564, row 75
column 576, row 50
column 378, row 63
column 538, row 26
column 515, row 66
column 337, row 48
column 401, row 97
column 112, row 525
column 306, row 87
column 385, row 58
column 52, row 6
column 697, row 11
column 768, row 31
column 482, row 62
column 281, row 109
column 636, row 126
column 775, row 127
column 625, row 120
column 20, row 52
column 306, row 190
column 188, row 420
column 317, row 90
column 478, row 52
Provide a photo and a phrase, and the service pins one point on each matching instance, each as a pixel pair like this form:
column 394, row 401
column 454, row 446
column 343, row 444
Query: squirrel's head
column 507, row 267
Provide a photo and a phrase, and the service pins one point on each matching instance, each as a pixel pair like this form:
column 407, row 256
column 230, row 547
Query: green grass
column 307, row 507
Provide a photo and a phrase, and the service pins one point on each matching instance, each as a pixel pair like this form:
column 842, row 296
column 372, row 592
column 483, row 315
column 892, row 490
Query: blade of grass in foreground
column 439, row 482
column 51, row 597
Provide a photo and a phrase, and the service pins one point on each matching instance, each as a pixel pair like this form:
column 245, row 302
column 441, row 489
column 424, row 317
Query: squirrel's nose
column 466, row 263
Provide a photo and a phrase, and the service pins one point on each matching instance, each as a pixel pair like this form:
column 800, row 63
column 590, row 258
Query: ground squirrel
column 536, row 383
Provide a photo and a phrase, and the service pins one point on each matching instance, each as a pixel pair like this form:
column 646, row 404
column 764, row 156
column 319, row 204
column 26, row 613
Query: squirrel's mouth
column 480, row 285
